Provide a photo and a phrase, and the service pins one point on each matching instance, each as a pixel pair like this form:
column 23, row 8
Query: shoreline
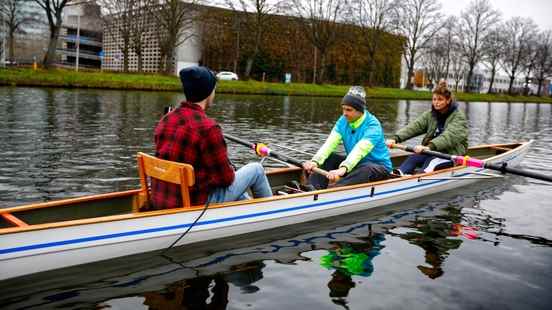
column 24, row 77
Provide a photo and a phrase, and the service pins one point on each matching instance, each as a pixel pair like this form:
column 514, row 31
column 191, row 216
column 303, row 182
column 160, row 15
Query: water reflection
column 350, row 259
column 433, row 236
column 197, row 293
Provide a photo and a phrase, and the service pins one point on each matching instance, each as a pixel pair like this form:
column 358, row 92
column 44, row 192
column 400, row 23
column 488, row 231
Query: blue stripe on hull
column 221, row 220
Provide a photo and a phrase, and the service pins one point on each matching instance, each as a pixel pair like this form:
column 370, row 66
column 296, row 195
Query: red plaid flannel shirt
column 188, row 136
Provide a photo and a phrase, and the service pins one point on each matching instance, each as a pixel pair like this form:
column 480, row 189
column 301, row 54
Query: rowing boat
column 68, row 232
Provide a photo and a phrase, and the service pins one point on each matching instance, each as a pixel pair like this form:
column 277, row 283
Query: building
column 80, row 40
column 31, row 43
column 186, row 54
column 220, row 39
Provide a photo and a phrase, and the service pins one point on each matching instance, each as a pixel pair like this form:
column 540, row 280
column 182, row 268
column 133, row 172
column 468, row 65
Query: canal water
column 480, row 247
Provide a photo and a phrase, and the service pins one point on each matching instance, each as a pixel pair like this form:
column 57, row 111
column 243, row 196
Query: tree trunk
column 512, row 77
column 314, row 66
column 493, row 73
column 237, row 56
column 373, row 47
column 140, row 60
column 169, row 68
column 409, row 77
column 248, row 66
column 539, row 89
column 11, row 47
column 467, row 83
column 126, row 51
column 50, row 55
column 370, row 68
column 322, row 67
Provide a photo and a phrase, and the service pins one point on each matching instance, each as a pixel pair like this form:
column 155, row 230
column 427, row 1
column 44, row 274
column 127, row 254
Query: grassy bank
column 72, row 79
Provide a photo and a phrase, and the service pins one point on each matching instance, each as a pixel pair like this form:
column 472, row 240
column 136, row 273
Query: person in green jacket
column 446, row 131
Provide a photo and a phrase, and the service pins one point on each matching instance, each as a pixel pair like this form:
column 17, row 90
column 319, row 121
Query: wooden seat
column 168, row 171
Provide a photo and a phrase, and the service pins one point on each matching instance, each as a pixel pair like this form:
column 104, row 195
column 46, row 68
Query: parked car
column 227, row 76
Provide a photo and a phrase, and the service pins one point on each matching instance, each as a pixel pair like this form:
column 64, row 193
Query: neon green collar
column 358, row 122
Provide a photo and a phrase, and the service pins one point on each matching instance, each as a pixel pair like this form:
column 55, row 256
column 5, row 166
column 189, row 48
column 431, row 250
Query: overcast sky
column 539, row 10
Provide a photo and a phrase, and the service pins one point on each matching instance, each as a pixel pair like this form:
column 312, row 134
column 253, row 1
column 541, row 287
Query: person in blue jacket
column 367, row 156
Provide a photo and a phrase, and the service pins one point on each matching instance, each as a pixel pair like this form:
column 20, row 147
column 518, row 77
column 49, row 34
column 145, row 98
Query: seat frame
column 167, row 171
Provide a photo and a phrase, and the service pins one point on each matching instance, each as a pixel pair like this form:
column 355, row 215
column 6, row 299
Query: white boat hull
column 34, row 251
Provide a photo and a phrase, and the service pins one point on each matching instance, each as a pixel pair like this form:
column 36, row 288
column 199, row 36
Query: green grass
column 107, row 80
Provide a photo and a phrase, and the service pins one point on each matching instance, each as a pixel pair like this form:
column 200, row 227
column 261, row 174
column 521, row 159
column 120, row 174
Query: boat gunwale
column 136, row 215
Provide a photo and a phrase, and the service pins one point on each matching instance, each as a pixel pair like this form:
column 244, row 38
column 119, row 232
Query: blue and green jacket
column 363, row 141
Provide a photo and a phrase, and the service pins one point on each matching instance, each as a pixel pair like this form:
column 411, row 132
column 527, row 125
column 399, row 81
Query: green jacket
column 453, row 140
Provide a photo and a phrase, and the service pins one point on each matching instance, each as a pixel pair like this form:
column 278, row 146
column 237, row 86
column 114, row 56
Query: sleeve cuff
column 432, row 146
column 346, row 168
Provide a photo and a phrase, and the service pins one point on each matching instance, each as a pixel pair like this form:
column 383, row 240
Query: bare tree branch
column 518, row 35
column 319, row 21
column 418, row 21
column 476, row 23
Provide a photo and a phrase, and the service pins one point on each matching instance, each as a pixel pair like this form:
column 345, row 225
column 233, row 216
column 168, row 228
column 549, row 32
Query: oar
column 474, row 162
column 263, row 149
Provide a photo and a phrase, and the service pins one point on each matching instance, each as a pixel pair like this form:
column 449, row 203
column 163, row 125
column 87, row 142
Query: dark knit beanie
column 355, row 98
column 198, row 83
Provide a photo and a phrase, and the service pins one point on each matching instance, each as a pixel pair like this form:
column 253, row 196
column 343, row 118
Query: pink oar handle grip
column 469, row 161
column 265, row 151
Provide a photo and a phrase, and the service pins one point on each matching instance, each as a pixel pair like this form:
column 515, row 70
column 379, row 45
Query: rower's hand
column 390, row 142
column 420, row 148
column 334, row 175
column 309, row 166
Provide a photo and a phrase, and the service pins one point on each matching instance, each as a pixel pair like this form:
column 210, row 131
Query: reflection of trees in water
column 433, row 235
column 206, row 292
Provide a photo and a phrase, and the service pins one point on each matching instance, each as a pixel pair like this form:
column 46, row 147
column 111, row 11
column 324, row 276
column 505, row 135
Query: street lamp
column 78, row 44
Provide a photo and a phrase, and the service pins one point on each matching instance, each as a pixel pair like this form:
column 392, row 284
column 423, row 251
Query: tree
column 437, row 56
column 13, row 17
column 457, row 68
column 122, row 14
column 418, row 21
column 543, row 61
column 256, row 14
column 318, row 19
column 448, row 35
column 476, row 23
column 140, row 27
column 518, row 34
column 53, row 9
column 435, row 59
column 528, row 64
column 374, row 17
column 174, row 20
column 493, row 50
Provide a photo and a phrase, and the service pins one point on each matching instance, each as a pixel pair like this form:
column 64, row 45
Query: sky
column 539, row 10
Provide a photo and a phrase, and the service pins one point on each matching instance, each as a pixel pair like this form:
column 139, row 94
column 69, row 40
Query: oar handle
column 268, row 152
column 474, row 162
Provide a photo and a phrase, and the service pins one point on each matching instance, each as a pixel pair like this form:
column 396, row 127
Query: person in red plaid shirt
column 187, row 135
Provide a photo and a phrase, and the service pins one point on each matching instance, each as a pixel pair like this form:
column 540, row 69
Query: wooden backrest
column 168, row 171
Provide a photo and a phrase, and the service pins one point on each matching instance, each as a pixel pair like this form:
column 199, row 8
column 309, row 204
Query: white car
column 227, row 76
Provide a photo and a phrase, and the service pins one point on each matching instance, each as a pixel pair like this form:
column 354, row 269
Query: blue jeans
column 251, row 176
column 421, row 160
